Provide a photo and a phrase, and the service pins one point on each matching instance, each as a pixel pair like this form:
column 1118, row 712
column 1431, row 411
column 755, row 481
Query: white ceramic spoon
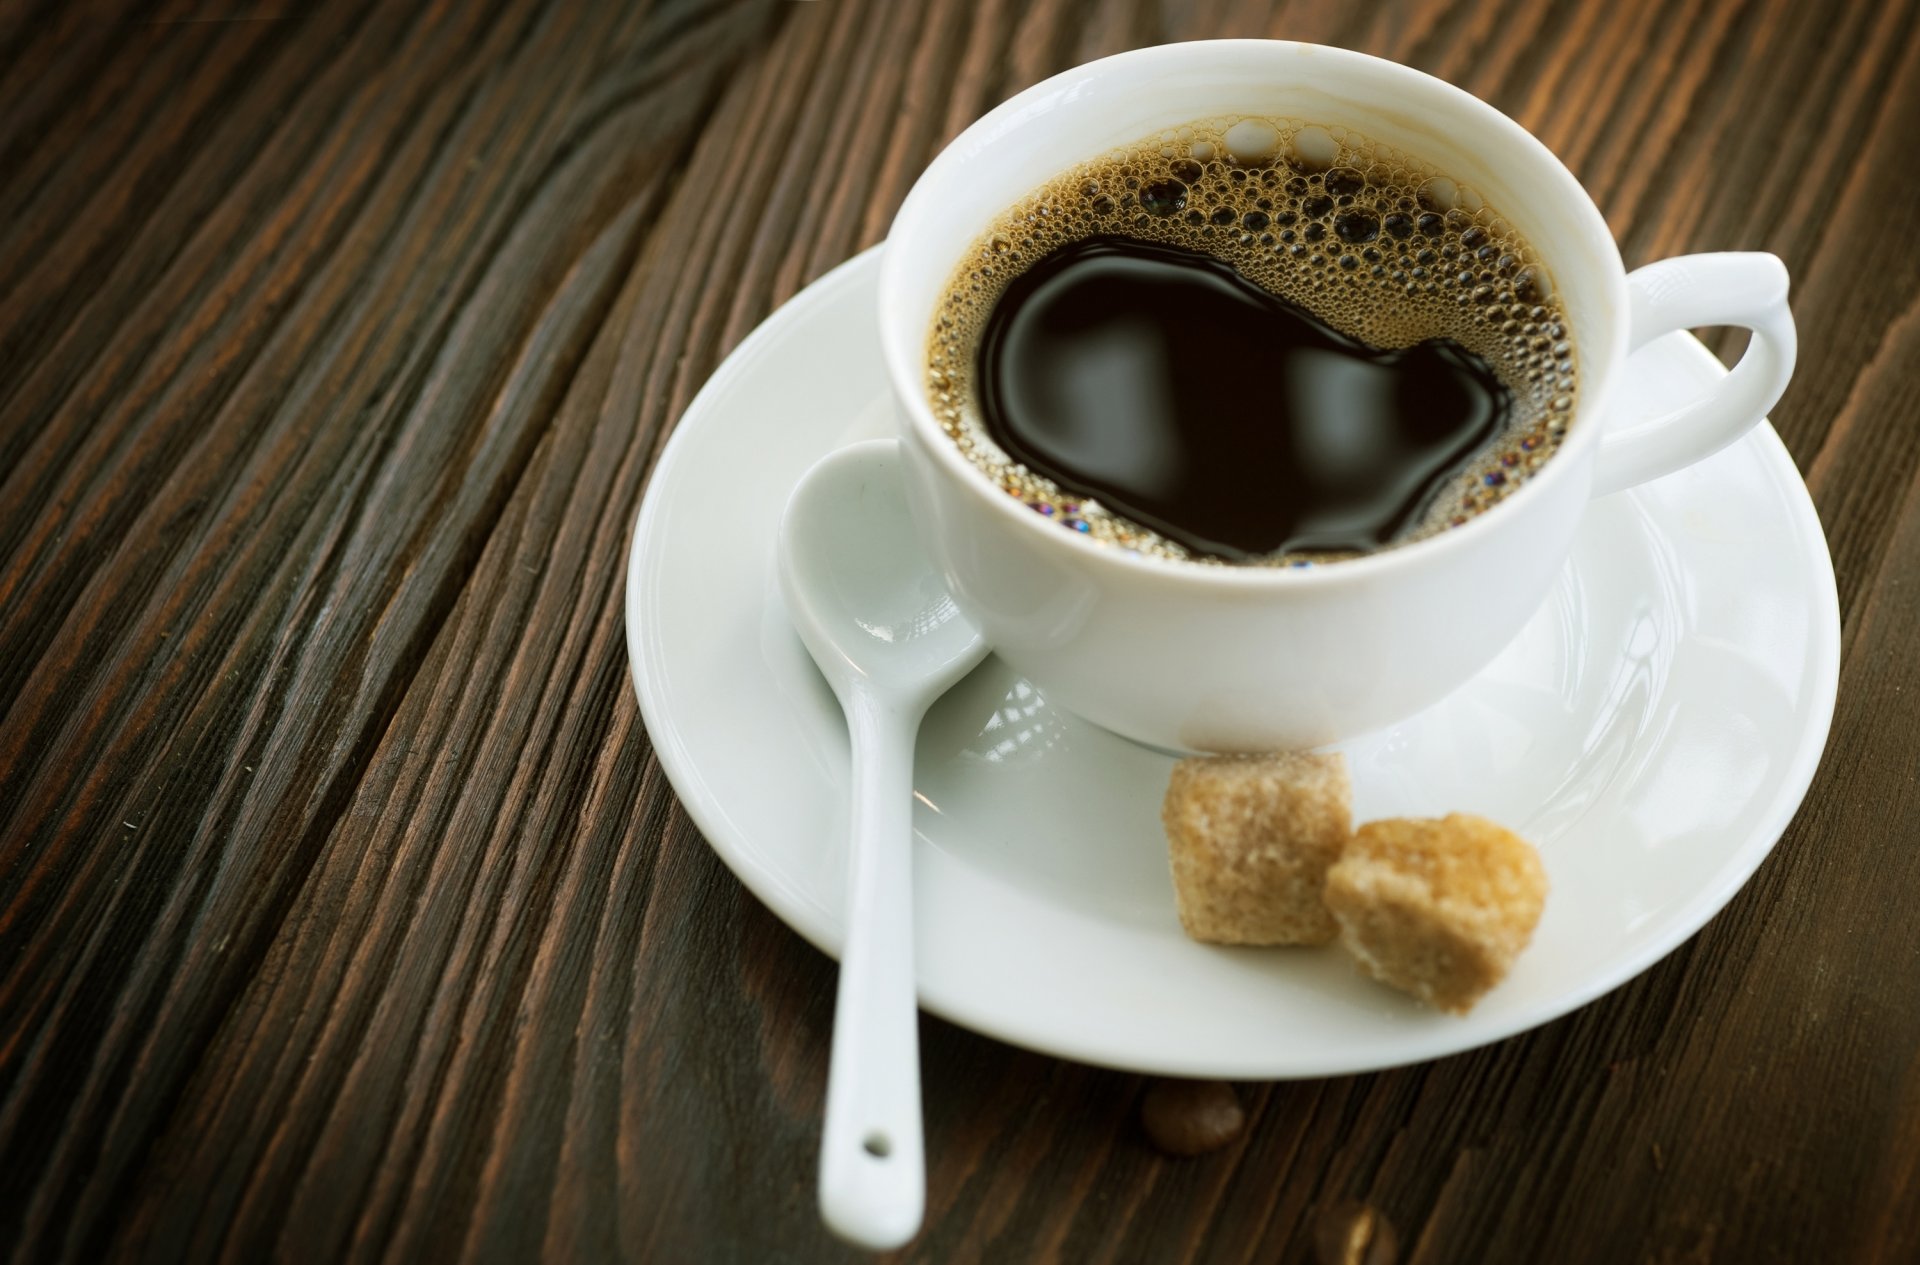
column 879, row 621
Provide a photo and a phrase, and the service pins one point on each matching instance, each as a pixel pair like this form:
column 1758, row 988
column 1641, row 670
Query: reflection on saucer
column 1023, row 726
column 1053, row 805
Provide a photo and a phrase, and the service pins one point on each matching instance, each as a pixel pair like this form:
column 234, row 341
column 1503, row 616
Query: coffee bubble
column 1314, row 148
column 1532, row 285
column 1163, row 197
column 1439, row 194
column 1251, row 142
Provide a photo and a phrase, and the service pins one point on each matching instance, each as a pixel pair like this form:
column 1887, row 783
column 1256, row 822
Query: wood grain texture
column 344, row 912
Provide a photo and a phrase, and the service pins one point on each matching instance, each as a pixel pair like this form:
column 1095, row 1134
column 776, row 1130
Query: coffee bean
column 1354, row 1234
column 1185, row 1117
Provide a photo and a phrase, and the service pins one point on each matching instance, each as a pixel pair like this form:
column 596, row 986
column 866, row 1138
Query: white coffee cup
column 1188, row 656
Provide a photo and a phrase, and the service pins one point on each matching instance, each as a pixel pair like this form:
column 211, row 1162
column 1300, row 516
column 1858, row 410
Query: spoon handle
column 872, row 1163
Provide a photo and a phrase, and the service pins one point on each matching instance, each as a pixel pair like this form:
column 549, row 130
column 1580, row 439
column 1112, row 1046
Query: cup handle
column 1729, row 288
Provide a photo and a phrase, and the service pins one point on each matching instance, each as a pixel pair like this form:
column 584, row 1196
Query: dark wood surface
column 344, row 911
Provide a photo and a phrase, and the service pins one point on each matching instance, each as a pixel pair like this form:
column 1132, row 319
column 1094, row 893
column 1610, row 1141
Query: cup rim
column 901, row 346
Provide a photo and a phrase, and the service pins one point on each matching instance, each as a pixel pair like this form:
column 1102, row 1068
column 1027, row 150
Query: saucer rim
column 711, row 818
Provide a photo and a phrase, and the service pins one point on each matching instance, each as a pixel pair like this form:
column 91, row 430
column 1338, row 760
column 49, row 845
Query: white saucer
column 1652, row 730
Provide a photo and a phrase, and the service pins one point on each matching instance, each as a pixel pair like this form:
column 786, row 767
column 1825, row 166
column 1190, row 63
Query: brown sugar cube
column 1439, row 909
column 1250, row 839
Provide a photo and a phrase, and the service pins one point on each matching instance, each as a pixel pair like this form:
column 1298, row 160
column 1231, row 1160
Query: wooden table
column 344, row 911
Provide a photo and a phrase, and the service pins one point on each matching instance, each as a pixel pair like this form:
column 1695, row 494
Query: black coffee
column 1104, row 367
column 1253, row 341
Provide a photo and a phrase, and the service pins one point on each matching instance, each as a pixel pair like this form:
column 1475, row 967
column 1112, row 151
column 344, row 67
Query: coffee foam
column 1371, row 240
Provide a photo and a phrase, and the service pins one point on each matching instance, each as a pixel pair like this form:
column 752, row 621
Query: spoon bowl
column 861, row 594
